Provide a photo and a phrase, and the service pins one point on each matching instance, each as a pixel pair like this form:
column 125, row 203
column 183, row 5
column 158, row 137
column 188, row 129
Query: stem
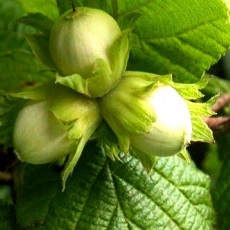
column 5, row 177
column 215, row 123
column 73, row 5
column 221, row 102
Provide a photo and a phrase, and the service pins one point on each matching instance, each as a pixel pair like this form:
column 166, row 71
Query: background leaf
column 10, row 31
column 221, row 189
column 7, row 210
column 7, row 216
column 105, row 194
column 48, row 8
column 19, row 69
column 176, row 36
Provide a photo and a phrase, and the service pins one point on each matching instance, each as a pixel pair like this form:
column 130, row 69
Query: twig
column 215, row 123
column 221, row 102
column 5, row 177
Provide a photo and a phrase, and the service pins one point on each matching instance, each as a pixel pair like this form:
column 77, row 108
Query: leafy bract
column 199, row 111
column 103, row 194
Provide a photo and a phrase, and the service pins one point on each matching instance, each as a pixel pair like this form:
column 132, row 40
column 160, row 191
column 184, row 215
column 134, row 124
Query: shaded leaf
column 37, row 21
column 48, row 8
column 63, row 6
column 40, row 47
column 102, row 194
column 221, row 189
column 19, row 69
column 7, row 216
column 11, row 33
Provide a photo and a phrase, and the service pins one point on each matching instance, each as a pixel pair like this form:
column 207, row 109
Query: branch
column 5, row 177
column 216, row 123
column 221, row 102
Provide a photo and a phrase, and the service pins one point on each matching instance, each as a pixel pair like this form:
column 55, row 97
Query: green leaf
column 38, row 21
column 9, row 108
column 216, row 85
column 103, row 194
column 48, row 8
column 180, row 37
column 11, row 33
column 128, row 21
column 7, row 216
column 40, row 47
column 19, row 70
column 7, row 210
column 221, row 189
column 89, row 86
column 63, row 6
column 200, row 130
column 107, row 5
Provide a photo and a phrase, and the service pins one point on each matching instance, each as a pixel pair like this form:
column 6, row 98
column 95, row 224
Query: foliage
column 182, row 38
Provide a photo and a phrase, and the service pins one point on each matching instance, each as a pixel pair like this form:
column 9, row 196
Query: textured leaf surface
column 179, row 37
column 19, row 69
column 102, row 194
column 42, row 6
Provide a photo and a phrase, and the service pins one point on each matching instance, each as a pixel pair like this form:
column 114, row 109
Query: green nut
column 81, row 37
column 38, row 136
column 148, row 115
column 172, row 130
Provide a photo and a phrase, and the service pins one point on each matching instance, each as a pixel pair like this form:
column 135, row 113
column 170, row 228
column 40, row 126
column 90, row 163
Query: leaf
column 9, row 108
column 37, row 21
column 10, row 31
column 63, row 6
column 180, row 37
column 40, row 47
column 128, row 21
column 89, row 86
column 19, row 69
column 200, row 130
column 7, row 211
column 103, row 194
column 7, row 216
column 47, row 8
column 217, row 85
column 221, row 189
